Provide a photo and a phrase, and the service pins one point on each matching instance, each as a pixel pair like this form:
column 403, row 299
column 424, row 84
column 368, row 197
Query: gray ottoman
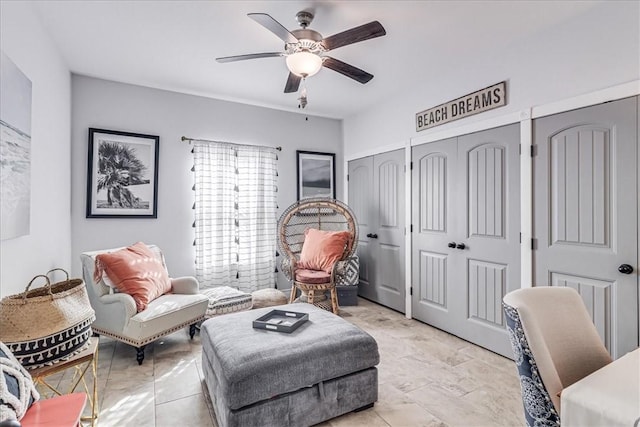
column 256, row 377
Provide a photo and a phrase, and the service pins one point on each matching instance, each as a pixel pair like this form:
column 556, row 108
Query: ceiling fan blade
column 348, row 70
column 274, row 26
column 249, row 56
column 363, row 32
column 293, row 83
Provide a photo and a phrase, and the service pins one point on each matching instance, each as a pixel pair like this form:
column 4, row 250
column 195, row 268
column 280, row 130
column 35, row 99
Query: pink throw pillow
column 135, row 270
column 321, row 249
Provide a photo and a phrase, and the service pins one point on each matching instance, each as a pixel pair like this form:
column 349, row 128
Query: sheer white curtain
column 235, row 215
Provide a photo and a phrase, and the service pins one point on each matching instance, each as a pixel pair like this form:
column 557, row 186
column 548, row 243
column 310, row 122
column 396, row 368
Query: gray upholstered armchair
column 117, row 317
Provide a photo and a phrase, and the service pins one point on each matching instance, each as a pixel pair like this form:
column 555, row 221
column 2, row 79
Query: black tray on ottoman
column 323, row 369
column 281, row 321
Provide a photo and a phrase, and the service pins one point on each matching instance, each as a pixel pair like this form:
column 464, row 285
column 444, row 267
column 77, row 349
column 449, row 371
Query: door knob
column 369, row 235
column 625, row 269
column 461, row 246
column 374, row 236
column 452, row 244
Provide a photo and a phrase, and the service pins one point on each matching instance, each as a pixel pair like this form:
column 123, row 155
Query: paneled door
column 434, row 263
column 585, row 213
column 376, row 193
column 466, row 241
column 388, row 237
column 362, row 203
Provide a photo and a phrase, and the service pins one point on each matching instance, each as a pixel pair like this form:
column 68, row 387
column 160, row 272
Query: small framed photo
column 316, row 174
column 122, row 178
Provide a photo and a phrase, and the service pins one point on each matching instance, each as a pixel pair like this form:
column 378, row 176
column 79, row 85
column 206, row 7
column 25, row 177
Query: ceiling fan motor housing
column 305, row 33
column 308, row 41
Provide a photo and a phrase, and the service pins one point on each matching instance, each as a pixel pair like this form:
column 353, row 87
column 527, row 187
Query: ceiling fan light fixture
column 304, row 63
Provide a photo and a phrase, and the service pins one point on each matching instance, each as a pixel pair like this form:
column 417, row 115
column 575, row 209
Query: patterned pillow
column 17, row 391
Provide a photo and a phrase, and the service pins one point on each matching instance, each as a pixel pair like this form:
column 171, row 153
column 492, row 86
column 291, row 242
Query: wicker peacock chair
column 326, row 215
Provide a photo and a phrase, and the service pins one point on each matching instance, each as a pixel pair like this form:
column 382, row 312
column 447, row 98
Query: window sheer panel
column 257, row 181
column 235, row 212
column 214, row 214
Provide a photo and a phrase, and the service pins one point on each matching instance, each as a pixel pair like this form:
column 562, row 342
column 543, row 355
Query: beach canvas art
column 15, row 150
column 316, row 174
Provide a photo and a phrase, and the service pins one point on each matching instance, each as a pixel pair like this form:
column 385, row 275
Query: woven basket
column 47, row 324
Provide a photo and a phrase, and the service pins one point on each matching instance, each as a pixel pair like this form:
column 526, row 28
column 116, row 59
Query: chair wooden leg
column 310, row 296
column 334, row 300
column 192, row 329
column 292, row 297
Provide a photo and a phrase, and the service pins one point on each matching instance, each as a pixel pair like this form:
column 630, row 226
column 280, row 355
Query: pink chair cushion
column 59, row 411
column 312, row 277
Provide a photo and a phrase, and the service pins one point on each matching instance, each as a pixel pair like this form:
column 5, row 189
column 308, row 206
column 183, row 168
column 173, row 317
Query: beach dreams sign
column 477, row 102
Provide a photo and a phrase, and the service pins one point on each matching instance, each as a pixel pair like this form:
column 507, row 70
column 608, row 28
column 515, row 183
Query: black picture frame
column 122, row 174
column 316, row 174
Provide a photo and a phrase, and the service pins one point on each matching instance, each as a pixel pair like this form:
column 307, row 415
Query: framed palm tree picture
column 122, row 178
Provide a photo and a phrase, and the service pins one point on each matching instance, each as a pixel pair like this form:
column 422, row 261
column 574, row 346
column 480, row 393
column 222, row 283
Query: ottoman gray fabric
column 256, row 377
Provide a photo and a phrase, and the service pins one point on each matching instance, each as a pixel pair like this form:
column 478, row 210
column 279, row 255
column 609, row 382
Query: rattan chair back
column 321, row 214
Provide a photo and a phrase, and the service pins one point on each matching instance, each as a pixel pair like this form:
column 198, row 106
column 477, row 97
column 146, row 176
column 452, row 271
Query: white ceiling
column 172, row 44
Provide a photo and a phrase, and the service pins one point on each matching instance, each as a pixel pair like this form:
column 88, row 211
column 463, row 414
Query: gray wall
column 116, row 106
column 48, row 244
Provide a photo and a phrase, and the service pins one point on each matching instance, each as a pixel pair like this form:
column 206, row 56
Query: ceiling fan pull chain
column 303, row 94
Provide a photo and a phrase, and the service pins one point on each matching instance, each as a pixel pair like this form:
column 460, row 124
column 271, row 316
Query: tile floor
column 426, row 378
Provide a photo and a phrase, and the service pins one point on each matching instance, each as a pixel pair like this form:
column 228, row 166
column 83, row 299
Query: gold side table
column 81, row 362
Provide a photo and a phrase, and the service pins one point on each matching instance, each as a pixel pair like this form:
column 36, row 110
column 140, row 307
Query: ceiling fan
column 305, row 49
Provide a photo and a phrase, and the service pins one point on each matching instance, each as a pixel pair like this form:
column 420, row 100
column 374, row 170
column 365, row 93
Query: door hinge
column 534, row 244
column 411, row 291
column 411, row 165
column 520, row 237
column 520, row 149
column 347, row 177
column 411, row 228
column 534, row 151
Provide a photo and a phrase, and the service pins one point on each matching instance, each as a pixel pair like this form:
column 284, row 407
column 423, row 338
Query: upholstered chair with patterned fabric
column 317, row 240
column 555, row 344
column 122, row 314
